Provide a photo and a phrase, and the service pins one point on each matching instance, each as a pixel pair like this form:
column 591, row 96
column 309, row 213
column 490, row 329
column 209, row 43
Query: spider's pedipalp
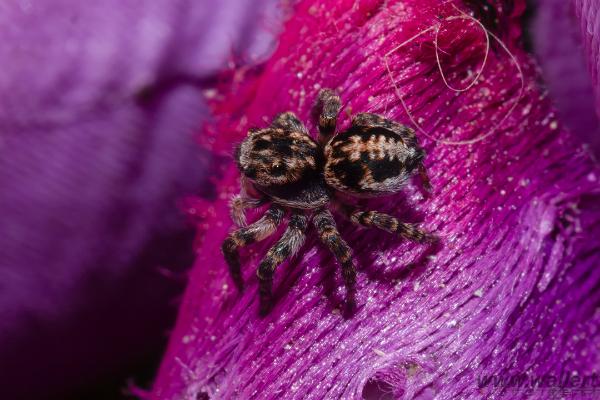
column 238, row 206
column 248, row 198
column 328, row 105
column 255, row 232
column 386, row 222
column 330, row 236
column 286, row 246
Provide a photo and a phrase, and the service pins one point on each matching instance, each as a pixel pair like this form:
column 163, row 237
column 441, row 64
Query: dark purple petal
column 100, row 103
column 588, row 12
column 557, row 41
column 512, row 288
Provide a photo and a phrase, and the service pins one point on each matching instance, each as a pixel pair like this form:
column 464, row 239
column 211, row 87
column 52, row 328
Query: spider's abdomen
column 369, row 161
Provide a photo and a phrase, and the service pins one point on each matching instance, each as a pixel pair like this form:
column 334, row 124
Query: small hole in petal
column 385, row 385
column 376, row 389
column 202, row 396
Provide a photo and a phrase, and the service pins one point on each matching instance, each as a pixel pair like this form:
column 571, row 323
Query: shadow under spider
column 291, row 271
column 366, row 257
column 391, row 275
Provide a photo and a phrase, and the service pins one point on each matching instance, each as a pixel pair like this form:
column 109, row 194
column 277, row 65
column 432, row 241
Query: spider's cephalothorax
column 283, row 165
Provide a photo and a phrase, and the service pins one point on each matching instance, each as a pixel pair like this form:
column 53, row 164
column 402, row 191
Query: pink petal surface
column 511, row 289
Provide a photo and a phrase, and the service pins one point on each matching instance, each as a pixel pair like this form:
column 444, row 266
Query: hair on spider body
column 285, row 164
column 370, row 160
column 301, row 176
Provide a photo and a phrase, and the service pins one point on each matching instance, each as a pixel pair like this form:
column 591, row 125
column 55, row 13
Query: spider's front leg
column 286, row 246
column 329, row 105
column 255, row 232
column 330, row 236
column 386, row 222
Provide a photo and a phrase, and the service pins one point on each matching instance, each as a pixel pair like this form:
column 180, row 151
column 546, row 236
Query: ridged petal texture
column 511, row 289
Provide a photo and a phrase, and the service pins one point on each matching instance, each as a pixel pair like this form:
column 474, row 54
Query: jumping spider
column 284, row 165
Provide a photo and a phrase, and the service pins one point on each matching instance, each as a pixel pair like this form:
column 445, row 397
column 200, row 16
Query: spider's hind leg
column 386, row 222
column 328, row 106
column 255, row 232
column 286, row 246
column 330, row 236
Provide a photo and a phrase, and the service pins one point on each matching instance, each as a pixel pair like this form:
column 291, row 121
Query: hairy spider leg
column 255, row 232
column 329, row 105
column 330, row 236
column 386, row 222
column 289, row 243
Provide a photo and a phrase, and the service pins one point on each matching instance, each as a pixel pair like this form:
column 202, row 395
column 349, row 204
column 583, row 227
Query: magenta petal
column 513, row 287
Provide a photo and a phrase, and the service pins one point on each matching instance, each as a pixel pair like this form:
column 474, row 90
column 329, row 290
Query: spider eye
column 261, row 144
column 277, row 169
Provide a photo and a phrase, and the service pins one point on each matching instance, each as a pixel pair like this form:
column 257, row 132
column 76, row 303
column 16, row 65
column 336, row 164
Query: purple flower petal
column 557, row 40
column 588, row 12
column 97, row 124
column 511, row 291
